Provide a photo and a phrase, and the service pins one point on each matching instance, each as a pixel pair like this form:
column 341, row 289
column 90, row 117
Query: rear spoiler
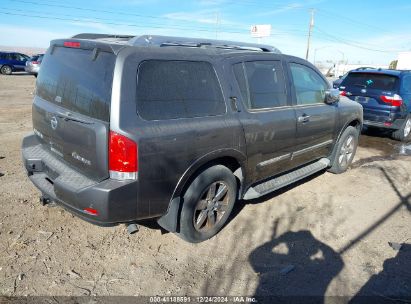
column 101, row 36
column 87, row 44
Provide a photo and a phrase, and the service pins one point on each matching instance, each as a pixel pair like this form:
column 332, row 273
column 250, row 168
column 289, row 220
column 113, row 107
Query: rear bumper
column 31, row 69
column 395, row 125
column 115, row 201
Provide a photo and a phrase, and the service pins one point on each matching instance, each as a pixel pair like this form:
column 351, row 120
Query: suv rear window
column 71, row 79
column 370, row 81
column 178, row 89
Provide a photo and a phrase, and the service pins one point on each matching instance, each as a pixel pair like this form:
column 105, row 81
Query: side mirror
column 332, row 96
column 339, row 77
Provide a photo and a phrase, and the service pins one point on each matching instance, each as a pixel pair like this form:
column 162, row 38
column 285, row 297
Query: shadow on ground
column 392, row 284
column 294, row 264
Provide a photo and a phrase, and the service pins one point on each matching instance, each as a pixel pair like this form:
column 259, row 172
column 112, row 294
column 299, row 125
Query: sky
column 365, row 32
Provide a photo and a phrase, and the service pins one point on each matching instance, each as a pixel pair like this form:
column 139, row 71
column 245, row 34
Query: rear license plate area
column 361, row 99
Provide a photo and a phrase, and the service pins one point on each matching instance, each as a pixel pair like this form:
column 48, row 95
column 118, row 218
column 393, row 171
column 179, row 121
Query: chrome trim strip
column 273, row 160
column 317, row 146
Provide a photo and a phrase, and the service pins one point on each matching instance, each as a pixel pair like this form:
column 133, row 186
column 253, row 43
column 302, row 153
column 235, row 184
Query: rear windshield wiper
column 69, row 117
column 360, row 85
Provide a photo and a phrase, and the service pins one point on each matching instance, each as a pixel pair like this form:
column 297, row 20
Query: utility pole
column 309, row 33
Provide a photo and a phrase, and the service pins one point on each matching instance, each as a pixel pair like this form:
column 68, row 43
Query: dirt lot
column 328, row 235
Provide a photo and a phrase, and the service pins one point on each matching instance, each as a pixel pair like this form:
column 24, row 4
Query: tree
column 393, row 65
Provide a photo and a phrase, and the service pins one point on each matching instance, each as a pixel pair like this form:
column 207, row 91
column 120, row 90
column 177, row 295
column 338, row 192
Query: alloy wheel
column 346, row 152
column 407, row 127
column 211, row 207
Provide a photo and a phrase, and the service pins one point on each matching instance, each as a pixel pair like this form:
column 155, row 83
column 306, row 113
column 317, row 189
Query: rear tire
column 207, row 204
column 345, row 150
column 403, row 133
column 6, row 70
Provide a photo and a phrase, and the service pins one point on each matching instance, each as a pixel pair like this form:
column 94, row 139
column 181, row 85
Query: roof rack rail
column 161, row 41
column 101, row 36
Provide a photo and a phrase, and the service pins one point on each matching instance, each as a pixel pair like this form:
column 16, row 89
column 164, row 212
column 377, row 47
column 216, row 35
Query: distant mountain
column 23, row 49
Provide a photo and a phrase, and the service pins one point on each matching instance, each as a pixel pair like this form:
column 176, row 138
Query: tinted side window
column 178, row 89
column 309, row 86
column 265, row 82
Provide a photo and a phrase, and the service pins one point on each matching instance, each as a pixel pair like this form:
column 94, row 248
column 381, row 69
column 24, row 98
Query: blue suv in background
column 12, row 62
column 385, row 96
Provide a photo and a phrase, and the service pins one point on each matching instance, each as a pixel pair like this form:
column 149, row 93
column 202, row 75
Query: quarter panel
column 167, row 148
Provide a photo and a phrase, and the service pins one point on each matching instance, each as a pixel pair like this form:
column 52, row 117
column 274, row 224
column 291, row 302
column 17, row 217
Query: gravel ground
column 328, row 235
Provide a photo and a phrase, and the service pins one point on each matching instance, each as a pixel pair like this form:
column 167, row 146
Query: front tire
column 403, row 133
column 345, row 150
column 6, row 70
column 207, row 204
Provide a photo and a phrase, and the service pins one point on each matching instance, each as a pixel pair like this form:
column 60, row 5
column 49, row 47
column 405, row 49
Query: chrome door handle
column 304, row 118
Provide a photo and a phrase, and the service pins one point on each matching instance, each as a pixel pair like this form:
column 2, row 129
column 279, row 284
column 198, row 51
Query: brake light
column 394, row 100
column 343, row 93
column 71, row 44
column 35, row 62
column 123, row 157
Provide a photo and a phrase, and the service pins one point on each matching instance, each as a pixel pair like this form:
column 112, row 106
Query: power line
column 113, row 23
column 327, row 13
column 87, row 9
column 357, row 44
column 131, row 24
column 110, row 21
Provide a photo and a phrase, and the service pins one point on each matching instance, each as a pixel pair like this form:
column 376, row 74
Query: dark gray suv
column 179, row 129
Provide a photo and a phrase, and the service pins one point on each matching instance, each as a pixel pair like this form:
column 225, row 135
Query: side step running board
column 286, row 179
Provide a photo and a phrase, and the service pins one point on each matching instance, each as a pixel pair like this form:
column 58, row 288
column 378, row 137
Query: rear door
column 367, row 89
column 267, row 117
column 71, row 109
column 19, row 61
column 316, row 120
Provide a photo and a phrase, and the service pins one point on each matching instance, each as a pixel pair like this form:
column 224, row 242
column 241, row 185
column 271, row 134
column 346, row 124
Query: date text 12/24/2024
column 202, row 299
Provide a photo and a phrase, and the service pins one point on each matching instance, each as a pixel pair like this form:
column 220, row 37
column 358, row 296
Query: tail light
column 394, row 100
column 35, row 62
column 91, row 211
column 71, row 44
column 343, row 93
column 123, row 157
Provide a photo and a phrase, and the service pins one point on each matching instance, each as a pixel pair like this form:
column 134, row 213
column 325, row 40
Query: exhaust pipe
column 44, row 200
column 132, row 228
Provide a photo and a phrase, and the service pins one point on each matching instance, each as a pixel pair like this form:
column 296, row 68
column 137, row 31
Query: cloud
column 290, row 7
column 204, row 16
column 29, row 36
column 281, row 9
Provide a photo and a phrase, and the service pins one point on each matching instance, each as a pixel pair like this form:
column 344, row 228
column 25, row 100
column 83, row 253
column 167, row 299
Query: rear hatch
column 71, row 109
column 370, row 90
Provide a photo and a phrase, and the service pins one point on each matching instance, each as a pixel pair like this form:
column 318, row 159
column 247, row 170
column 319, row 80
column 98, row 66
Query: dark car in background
column 12, row 62
column 385, row 96
column 33, row 64
column 339, row 80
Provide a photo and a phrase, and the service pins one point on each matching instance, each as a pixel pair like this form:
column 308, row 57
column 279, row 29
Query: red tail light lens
column 35, row 62
column 71, row 44
column 91, row 211
column 394, row 100
column 123, row 157
column 343, row 93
